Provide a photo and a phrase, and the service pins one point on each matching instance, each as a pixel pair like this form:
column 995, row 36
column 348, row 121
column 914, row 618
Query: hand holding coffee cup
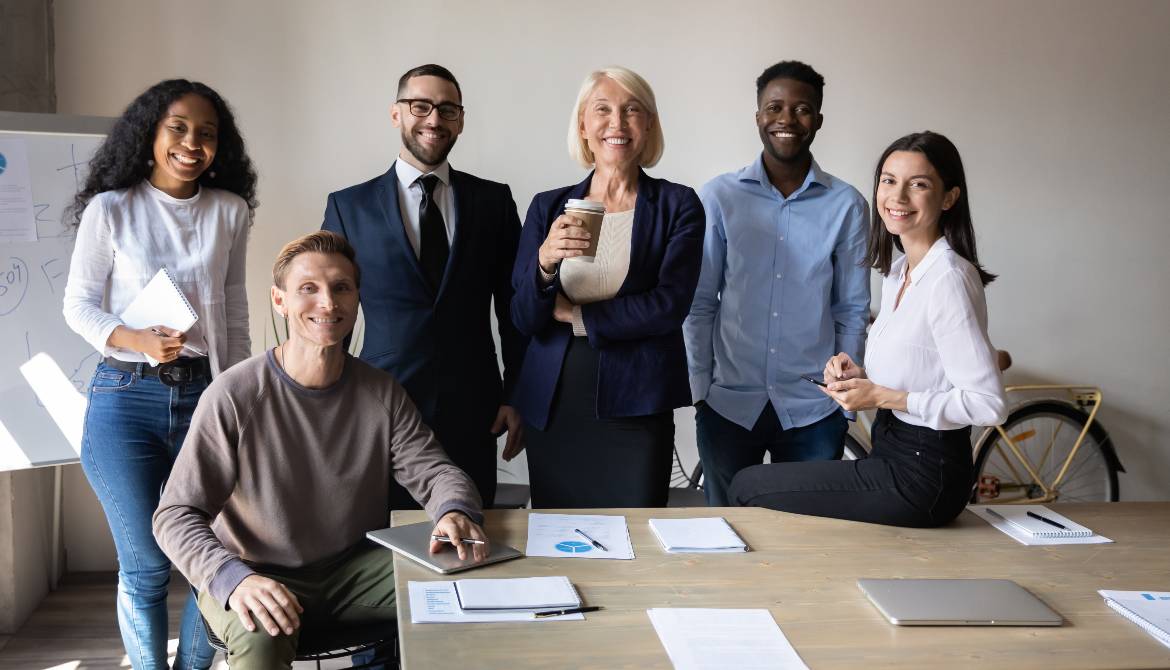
column 567, row 238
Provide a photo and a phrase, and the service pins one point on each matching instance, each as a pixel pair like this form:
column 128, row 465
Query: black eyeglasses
column 422, row 108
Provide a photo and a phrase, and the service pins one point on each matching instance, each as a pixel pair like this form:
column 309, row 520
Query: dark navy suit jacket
column 638, row 333
column 439, row 347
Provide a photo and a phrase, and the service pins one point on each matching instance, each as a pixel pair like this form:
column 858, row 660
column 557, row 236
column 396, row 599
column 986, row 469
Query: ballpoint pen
column 591, row 540
column 571, row 610
column 1047, row 520
column 465, row 540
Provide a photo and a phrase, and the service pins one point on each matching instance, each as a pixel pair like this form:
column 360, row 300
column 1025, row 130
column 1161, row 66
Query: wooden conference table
column 804, row 570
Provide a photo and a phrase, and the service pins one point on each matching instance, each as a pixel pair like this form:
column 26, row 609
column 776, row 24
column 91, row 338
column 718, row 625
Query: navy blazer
column 638, row 333
column 439, row 347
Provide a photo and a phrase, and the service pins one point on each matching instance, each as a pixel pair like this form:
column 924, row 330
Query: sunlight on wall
column 65, row 404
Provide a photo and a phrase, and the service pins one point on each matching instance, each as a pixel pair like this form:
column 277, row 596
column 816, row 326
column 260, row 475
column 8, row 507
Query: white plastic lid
column 589, row 205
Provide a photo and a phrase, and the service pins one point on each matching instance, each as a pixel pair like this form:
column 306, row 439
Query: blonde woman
column 606, row 365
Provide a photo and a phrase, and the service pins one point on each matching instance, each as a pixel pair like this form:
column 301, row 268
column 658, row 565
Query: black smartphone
column 813, row 380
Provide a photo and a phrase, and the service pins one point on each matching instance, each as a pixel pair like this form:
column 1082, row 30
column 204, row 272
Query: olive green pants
column 356, row 587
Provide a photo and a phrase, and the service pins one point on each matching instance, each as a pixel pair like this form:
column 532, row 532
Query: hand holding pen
column 160, row 343
column 457, row 530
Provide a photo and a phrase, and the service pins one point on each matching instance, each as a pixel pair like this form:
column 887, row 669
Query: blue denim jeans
column 134, row 427
column 726, row 447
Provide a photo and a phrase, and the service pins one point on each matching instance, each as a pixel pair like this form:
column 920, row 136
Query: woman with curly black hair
column 171, row 187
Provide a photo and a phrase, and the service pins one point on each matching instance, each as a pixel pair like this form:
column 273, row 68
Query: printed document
column 437, row 602
column 577, row 536
column 717, row 639
column 18, row 222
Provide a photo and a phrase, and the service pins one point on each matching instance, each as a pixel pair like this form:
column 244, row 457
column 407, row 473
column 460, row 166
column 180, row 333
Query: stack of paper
column 706, row 535
column 490, row 600
column 1148, row 609
column 1014, row 521
column 716, row 639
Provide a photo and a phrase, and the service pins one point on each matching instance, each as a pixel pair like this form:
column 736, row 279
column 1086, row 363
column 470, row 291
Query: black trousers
column 581, row 461
column 915, row 477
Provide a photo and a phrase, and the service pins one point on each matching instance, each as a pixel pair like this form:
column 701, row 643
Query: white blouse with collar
column 935, row 344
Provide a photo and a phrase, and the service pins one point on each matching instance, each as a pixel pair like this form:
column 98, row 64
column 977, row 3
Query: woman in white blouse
column 930, row 368
column 171, row 187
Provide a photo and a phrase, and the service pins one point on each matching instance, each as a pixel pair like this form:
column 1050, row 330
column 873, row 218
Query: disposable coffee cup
column 591, row 213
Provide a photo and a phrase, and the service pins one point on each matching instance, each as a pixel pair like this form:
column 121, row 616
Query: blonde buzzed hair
column 322, row 242
column 636, row 86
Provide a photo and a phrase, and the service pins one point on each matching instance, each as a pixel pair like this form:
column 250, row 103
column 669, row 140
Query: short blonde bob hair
column 636, row 86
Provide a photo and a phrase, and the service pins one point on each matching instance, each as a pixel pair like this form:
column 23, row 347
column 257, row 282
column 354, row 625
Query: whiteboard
column 44, row 429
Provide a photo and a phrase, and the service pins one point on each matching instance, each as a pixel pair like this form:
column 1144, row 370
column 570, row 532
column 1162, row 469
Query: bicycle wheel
column 1045, row 433
column 853, row 449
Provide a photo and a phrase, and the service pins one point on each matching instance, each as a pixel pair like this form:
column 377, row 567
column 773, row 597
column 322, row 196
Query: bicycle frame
column 1081, row 395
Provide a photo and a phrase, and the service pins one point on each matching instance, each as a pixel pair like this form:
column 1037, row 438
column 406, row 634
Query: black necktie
column 433, row 248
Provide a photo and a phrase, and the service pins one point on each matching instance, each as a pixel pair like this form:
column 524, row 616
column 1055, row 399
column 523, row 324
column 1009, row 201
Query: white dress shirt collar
column 408, row 174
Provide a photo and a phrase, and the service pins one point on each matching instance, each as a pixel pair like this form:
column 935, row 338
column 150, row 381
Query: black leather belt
column 178, row 371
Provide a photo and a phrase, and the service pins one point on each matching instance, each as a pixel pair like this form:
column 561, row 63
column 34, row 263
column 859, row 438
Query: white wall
column 1061, row 109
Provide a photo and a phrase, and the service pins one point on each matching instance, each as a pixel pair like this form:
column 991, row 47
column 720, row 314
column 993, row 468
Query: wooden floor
column 76, row 628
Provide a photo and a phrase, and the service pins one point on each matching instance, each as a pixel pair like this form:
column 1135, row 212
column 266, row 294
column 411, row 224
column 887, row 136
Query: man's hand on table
column 457, row 527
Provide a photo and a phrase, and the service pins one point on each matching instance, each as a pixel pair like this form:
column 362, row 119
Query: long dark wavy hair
column 122, row 159
column 954, row 223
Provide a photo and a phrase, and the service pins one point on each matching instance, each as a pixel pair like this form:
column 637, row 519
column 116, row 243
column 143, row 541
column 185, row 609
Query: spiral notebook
column 1017, row 516
column 160, row 303
column 1148, row 609
column 517, row 595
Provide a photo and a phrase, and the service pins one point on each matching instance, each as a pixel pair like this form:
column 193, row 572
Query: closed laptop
column 957, row 602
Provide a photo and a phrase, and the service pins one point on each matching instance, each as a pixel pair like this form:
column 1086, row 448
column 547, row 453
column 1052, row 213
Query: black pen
column 1048, row 521
column 571, row 610
column 465, row 540
column 591, row 540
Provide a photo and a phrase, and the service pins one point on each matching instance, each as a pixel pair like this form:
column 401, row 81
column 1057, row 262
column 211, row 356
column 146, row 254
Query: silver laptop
column 414, row 542
column 957, row 602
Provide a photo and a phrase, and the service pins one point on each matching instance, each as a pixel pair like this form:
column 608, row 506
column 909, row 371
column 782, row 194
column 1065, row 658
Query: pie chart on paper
column 573, row 547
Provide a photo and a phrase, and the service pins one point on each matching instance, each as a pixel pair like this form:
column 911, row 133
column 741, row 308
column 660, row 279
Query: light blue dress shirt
column 783, row 287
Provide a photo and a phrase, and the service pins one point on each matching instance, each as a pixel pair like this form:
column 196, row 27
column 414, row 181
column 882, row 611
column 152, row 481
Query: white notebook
column 712, row 534
column 1148, row 609
column 524, row 593
column 1017, row 516
column 160, row 303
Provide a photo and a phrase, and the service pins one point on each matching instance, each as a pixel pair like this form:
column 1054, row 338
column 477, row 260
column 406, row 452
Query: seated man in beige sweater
column 288, row 463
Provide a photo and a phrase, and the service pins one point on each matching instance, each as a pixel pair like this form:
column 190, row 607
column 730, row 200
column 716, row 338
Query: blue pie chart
column 3, row 163
column 573, row 547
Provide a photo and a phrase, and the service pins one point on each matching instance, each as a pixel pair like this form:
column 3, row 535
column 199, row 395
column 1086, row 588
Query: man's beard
column 427, row 156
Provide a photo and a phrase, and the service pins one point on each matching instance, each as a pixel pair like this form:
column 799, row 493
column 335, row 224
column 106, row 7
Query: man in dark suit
column 435, row 247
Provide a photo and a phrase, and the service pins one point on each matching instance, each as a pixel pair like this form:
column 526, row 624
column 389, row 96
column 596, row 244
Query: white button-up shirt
column 935, row 344
column 410, row 193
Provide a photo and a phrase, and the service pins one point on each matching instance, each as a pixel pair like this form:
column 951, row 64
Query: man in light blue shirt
column 783, row 287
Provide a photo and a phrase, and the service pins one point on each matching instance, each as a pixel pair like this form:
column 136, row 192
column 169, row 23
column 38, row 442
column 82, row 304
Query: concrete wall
column 1061, row 109
column 26, row 500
